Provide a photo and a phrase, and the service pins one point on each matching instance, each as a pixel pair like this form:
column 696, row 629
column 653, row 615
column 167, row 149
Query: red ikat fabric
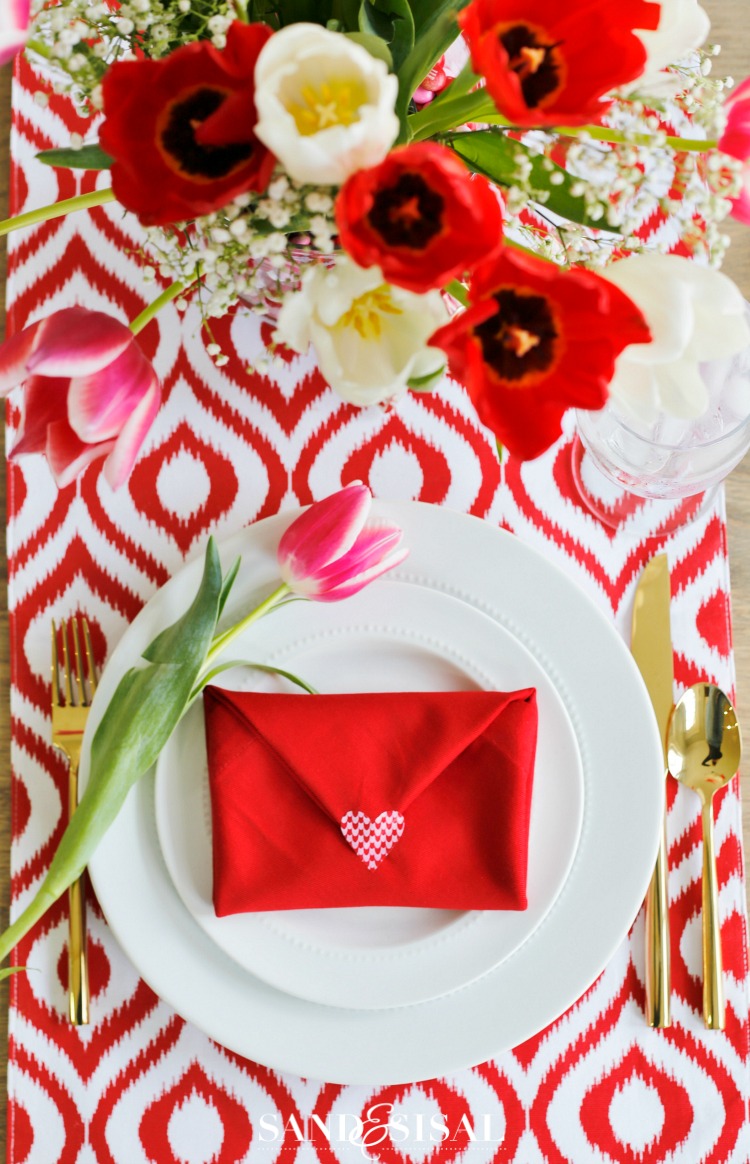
column 142, row 1086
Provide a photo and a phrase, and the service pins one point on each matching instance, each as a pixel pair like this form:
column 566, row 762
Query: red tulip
column 419, row 216
column 181, row 129
column 536, row 340
column 550, row 63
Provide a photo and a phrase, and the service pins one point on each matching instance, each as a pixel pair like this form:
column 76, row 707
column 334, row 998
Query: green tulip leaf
column 428, row 382
column 492, row 153
column 227, row 585
column 177, row 644
column 139, row 719
column 426, row 12
column 263, row 12
column 346, row 13
column 375, row 46
column 391, row 21
column 6, row 971
column 304, row 12
column 488, row 152
column 88, row 157
column 435, row 29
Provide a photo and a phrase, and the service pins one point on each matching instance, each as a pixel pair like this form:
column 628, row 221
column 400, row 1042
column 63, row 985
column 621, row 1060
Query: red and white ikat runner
column 142, row 1085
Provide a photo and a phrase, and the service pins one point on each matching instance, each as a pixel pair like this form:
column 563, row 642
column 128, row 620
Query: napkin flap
column 375, row 754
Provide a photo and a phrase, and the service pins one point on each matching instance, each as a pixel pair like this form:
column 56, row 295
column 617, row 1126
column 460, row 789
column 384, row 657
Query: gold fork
column 69, row 715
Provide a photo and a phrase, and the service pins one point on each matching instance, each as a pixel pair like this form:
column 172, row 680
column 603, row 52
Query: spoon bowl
column 704, row 744
column 703, row 752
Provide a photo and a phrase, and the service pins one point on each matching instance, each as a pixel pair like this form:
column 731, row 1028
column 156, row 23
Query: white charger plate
column 621, row 757
column 394, row 637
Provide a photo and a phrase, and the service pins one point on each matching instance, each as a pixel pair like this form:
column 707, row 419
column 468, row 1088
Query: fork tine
column 79, row 676
column 55, row 667
column 66, row 662
column 89, row 656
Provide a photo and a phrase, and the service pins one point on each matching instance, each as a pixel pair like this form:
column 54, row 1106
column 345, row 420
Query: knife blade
column 651, row 646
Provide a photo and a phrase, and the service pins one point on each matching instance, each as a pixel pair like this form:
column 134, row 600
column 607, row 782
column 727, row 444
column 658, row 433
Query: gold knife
column 651, row 645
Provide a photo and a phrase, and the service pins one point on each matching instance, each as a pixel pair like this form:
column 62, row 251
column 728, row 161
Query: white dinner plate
column 394, row 637
column 623, row 801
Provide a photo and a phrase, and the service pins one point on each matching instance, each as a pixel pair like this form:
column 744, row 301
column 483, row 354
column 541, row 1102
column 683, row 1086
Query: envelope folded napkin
column 405, row 799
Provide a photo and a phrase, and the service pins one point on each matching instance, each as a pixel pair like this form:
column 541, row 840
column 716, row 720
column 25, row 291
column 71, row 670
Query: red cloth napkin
column 410, row 799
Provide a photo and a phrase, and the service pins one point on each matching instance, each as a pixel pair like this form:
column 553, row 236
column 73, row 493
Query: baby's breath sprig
column 652, row 161
column 254, row 250
column 633, row 170
column 79, row 40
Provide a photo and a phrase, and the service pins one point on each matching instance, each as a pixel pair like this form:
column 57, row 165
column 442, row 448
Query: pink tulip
column 88, row 392
column 14, row 22
column 735, row 141
column 329, row 553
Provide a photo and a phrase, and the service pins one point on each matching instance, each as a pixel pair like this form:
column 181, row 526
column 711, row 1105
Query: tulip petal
column 635, row 390
column 682, row 390
column 77, row 342
column 741, row 205
column 323, row 532
column 99, row 404
column 127, row 446
column 44, row 403
column 14, row 356
column 11, row 42
column 352, row 585
column 15, row 20
column 67, row 455
column 683, row 27
column 717, row 335
column 373, row 544
column 16, row 13
column 653, row 283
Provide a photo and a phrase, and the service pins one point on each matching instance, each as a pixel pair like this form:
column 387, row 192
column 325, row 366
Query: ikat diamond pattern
column 140, row 1085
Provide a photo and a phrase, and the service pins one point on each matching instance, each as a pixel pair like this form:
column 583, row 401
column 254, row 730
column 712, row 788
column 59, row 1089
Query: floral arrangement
column 414, row 188
column 328, row 553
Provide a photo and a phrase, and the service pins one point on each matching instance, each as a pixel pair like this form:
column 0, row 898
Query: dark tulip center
column 537, row 65
column 407, row 214
column 520, row 339
column 178, row 138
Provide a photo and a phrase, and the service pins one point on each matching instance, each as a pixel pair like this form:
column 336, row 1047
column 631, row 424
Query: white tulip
column 325, row 106
column 695, row 314
column 370, row 338
column 683, row 27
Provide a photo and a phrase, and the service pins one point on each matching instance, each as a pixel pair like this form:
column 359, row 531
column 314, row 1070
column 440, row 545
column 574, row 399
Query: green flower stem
column 211, row 675
column 57, row 210
column 149, row 312
column 517, row 246
column 614, row 137
column 450, row 114
column 38, row 47
column 223, row 640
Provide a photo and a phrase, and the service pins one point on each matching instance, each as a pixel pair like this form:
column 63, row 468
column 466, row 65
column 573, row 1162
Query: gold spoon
column 703, row 752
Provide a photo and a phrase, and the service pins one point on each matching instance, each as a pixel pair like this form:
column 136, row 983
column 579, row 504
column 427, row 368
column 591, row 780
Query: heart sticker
column 372, row 840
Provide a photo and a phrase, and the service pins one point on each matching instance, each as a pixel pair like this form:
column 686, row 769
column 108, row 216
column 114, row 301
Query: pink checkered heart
column 372, row 840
